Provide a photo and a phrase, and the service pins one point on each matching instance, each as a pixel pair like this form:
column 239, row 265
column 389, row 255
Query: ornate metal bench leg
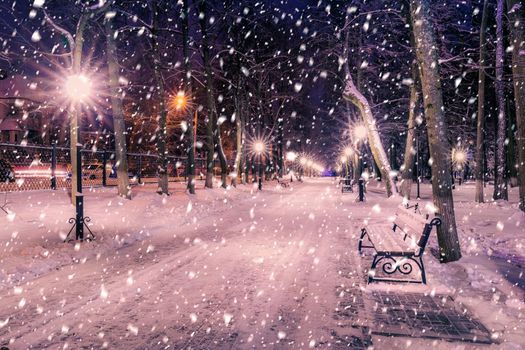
column 371, row 272
column 360, row 245
column 422, row 268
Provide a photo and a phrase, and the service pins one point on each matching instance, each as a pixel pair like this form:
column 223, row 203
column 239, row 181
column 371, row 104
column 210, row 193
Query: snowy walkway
column 230, row 269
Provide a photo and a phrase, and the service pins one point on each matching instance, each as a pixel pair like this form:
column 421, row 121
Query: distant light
column 180, row 100
column 259, row 147
column 291, row 156
column 360, row 132
column 349, row 151
column 78, row 88
column 459, row 157
column 343, row 159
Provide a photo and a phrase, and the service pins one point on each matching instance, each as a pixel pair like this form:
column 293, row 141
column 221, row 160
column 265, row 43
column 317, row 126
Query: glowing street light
column 259, row 147
column 360, row 132
column 78, row 88
column 459, row 160
column 291, row 156
column 459, row 157
column 179, row 101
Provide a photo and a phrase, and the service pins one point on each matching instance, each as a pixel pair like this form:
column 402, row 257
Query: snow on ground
column 233, row 268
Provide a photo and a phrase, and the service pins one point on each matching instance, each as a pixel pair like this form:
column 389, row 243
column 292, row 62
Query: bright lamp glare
column 349, row 152
column 291, row 156
column 258, row 147
column 360, row 132
column 180, row 100
column 78, row 87
column 459, row 157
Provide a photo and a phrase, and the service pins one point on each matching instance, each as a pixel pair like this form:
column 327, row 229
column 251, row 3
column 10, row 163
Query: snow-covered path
column 247, row 279
column 255, row 270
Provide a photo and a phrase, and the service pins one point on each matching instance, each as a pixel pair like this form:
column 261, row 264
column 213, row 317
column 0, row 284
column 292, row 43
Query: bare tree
column 427, row 57
column 76, row 46
column 163, row 112
column 190, row 166
column 500, row 181
column 480, row 134
column 516, row 10
column 408, row 161
column 353, row 95
column 118, row 114
column 210, row 99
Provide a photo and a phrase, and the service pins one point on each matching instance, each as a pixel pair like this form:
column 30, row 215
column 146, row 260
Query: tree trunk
column 279, row 150
column 161, row 129
column 119, row 125
column 480, row 133
column 500, row 181
column 190, row 141
column 239, row 125
column 353, row 95
column 222, row 157
column 516, row 11
column 213, row 129
column 408, row 161
column 427, row 57
column 511, row 170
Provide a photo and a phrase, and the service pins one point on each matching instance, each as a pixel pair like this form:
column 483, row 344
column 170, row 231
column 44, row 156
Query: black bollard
column 104, row 165
column 361, row 190
column 54, row 167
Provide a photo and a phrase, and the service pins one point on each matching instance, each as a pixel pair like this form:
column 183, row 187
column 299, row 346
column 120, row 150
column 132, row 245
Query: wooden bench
column 399, row 248
column 284, row 183
column 346, row 185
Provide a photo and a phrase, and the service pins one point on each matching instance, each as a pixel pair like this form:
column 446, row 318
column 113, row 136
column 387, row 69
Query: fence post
column 104, row 164
column 53, row 167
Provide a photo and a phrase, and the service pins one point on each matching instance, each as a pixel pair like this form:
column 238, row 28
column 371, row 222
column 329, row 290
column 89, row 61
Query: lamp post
column 259, row 148
column 78, row 89
column 348, row 153
column 459, row 159
column 418, row 175
column 291, row 157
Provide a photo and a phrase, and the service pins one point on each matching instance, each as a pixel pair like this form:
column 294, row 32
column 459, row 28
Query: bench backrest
column 414, row 225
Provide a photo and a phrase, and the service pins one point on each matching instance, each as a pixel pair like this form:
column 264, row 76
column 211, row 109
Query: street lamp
column 459, row 159
column 179, row 101
column 259, row 147
column 348, row 153
column 418, row 167
column 360, row 133
column 78, row 88
column 291, row 157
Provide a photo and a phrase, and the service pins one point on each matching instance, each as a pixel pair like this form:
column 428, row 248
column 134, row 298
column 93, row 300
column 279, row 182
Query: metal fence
column 24, row 168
